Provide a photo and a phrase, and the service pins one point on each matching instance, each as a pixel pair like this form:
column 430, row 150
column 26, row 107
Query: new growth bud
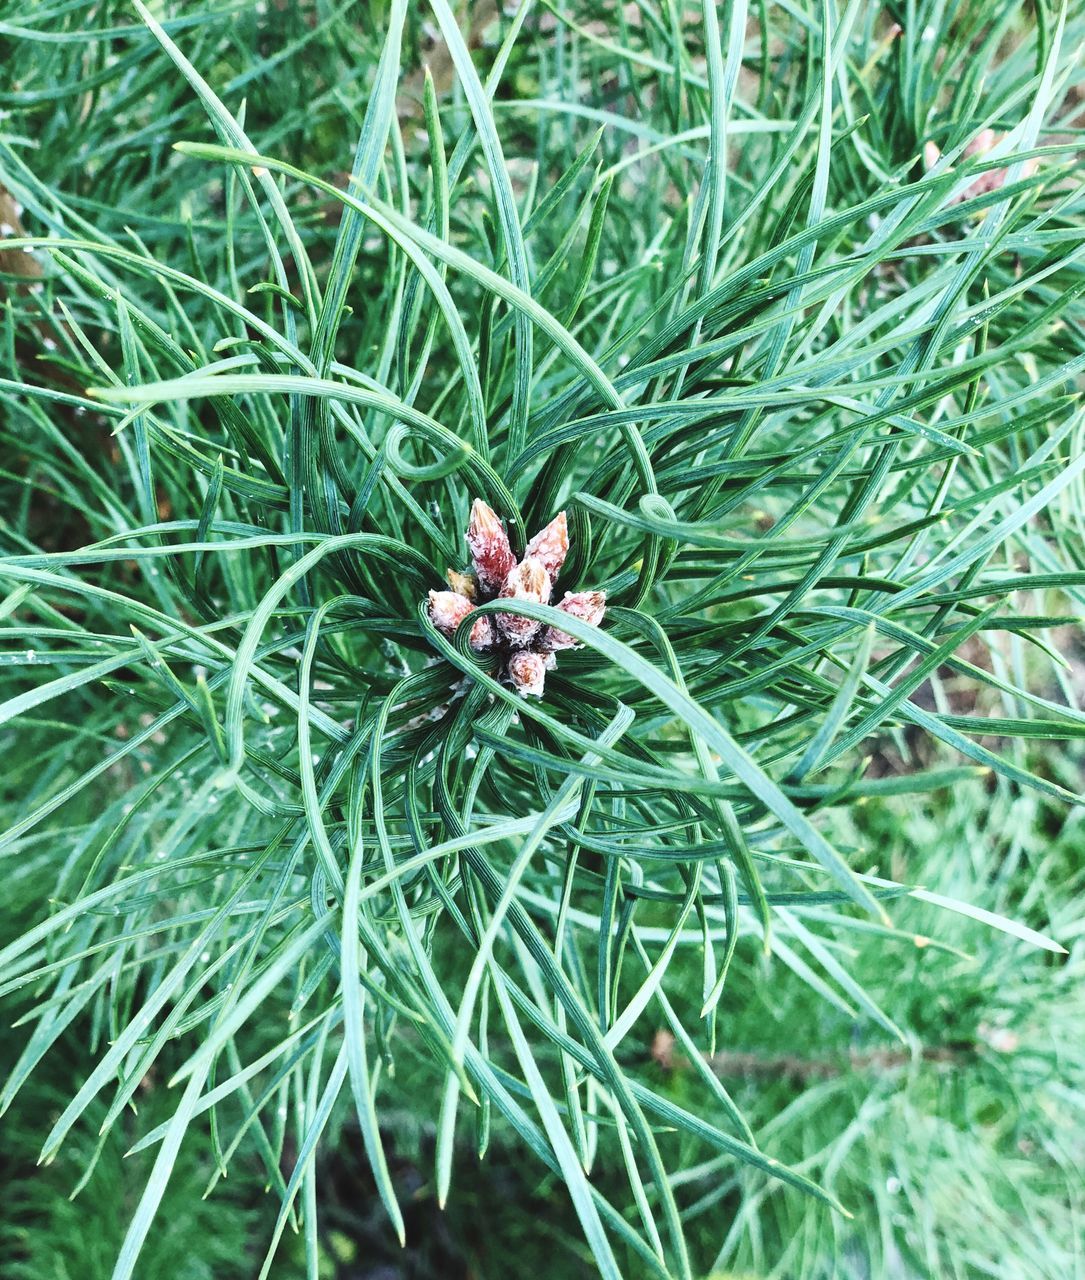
column 589, row 606
column 489, row 546
column 482, row 635
column 463, row 584
column 527, row 673
column 528, row 581
column 550, row 546
column 990, row 179
column 447, row 609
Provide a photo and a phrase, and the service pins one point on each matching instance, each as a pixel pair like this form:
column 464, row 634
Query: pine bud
column 464, row 584
column 991, row 179
column 527, row 673
column 550, row 546
column 447, row 609
column 527, row 581
column 983, row 142
column 586, row 605
column 482, row 635
column 489, row 545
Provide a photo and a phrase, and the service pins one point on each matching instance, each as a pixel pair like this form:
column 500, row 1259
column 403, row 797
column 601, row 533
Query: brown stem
column 794, row 1067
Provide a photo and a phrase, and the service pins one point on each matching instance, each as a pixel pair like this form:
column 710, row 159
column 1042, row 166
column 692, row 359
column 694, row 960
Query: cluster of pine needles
column 749, row 934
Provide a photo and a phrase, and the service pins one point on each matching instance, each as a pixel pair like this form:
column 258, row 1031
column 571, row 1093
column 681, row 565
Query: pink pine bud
column 991, row 179
column 489, row 545
column 527, row 581
column 995, row 178
column 550, row 546
column 482, row 635
column 586, row 605
column 983, row 142
column 447, row 609
column 527, row 672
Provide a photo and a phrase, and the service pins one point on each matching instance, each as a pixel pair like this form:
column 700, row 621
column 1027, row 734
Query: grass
column 285, row 858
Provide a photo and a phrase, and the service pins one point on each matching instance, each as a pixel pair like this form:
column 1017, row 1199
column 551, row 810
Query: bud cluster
column 526, row 648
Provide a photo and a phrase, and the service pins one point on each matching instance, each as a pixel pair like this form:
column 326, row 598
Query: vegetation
column 748, row 948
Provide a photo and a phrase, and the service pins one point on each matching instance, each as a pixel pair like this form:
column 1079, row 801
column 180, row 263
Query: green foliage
column 810, row 398
column 45, row 1234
